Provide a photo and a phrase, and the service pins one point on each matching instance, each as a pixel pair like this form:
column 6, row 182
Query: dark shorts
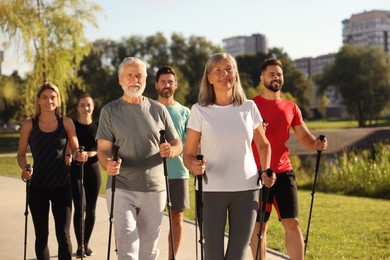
column 178, row 190
column 283, row 196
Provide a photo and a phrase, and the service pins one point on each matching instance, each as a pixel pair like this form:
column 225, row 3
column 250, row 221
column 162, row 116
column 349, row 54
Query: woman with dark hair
column 88, row 187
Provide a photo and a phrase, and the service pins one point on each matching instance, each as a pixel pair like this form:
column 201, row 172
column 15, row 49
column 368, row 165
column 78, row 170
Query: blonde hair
column 206, row 92
column 43, row 87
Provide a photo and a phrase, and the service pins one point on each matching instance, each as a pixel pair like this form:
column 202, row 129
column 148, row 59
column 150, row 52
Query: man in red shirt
column 280, row 115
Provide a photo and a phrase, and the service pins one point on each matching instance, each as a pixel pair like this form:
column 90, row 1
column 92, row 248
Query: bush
column 359, row 172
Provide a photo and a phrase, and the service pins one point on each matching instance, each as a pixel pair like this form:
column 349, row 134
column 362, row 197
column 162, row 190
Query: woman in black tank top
column 89, row 187
column 48, row 135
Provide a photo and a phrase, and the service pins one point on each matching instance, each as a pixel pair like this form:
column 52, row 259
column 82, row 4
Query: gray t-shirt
column 135, row 128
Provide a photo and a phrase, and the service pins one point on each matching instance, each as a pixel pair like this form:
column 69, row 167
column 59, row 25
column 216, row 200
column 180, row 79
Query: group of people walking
column 233, row 145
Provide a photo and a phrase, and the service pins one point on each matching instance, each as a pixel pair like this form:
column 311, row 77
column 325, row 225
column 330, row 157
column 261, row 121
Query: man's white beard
column 137, row 93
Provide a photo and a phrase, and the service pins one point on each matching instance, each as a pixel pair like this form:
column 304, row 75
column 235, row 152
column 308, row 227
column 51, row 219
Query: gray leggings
column 137, row 222
column 241, row 209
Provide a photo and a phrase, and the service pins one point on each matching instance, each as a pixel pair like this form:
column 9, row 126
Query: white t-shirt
column 226, row 137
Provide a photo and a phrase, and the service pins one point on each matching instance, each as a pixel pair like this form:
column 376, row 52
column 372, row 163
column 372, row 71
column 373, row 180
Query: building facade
column 240, row 45
column 312, row 67
column 370, row 28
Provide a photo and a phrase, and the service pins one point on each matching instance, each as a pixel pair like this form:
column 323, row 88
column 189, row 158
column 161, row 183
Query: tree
column 323, row 105
column 362, row 75
column 191, row 59
column 99, row 76
column 11, row 95
column 251, row 65
column 295, row 83
column 53, row 40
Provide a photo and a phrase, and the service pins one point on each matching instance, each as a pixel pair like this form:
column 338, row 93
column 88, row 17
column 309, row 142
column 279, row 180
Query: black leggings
column 92, row 182
column 61, row 206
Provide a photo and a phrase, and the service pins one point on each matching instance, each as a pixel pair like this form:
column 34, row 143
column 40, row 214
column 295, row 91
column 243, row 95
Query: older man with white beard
column 133, row 122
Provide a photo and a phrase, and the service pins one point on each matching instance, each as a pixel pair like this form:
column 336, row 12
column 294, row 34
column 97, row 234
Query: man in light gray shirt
column 133, row 122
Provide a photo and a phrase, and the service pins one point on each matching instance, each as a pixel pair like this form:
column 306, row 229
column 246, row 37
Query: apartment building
column 370, row 28
column 240, row 45
column 314, row 66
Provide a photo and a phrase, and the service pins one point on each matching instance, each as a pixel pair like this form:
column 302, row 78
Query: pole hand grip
column 322, row 137
column 81, row 150
column 199, row 157
column 27, row 168
column 162, row 139
column 115, row 153
column 162, row 136
column 269, row 172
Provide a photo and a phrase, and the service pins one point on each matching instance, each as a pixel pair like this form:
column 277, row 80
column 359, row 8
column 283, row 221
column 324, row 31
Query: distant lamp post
column 386, row 44
column 1, row 60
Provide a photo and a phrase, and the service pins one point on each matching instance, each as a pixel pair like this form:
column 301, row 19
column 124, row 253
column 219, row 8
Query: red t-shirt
column 280, row 115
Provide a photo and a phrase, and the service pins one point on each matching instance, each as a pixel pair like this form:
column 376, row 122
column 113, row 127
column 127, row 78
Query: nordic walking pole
column 28, row 166
column 199, row 209
column 115, row 157
column 262, row 214
column 196, row 221
column 81, row 149
column 322, row 137
column 162, row 140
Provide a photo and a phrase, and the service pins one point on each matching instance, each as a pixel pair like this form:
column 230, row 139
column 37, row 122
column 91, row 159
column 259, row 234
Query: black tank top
column 86, row 135
column 48, row 150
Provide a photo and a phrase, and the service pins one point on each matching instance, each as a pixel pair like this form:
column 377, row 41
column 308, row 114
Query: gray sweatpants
column 137, row 222
column 241, row 209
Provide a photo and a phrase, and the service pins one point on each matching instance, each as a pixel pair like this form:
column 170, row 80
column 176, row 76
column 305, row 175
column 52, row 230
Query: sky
column 302, row 28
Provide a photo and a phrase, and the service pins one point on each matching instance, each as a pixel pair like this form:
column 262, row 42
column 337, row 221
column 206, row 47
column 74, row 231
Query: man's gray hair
column 130, row 60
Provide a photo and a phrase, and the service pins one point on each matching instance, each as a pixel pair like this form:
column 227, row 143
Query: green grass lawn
column 340, row 124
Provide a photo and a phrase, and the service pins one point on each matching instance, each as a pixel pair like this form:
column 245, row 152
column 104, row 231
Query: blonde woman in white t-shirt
column 221, row 127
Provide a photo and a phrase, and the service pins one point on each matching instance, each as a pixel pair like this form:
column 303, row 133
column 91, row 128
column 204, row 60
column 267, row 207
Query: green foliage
column 251, row 65
column 197, row 51
column 362, row 75
column 322, row 105
column 297, row 87
column 296, row 84
column 361, row 173
column 10, row 98
column 53, row 39
column 187, row 55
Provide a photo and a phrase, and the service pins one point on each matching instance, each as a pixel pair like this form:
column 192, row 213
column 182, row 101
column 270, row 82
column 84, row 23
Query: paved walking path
column 12, row 207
